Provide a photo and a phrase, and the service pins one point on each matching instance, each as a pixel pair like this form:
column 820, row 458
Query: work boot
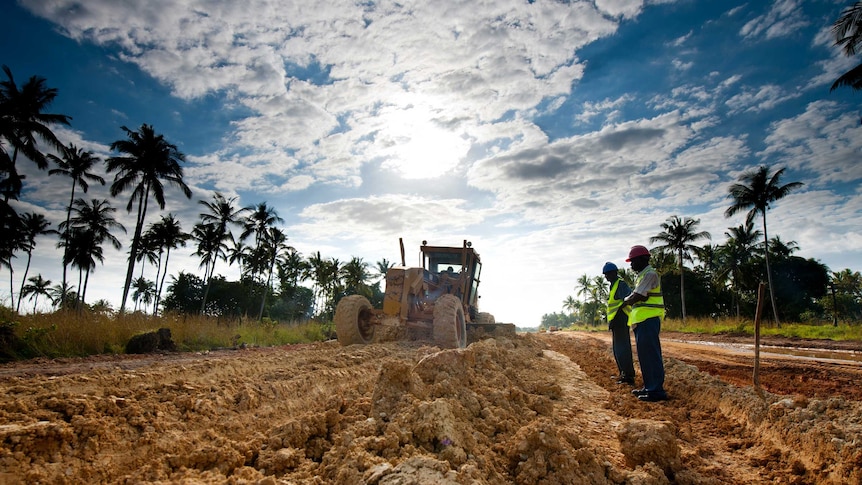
column 653, row 396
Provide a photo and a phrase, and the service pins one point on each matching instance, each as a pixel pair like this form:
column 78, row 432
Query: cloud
column 784, row 18
column 759, row 98
column 312, row 76
column 822, row 141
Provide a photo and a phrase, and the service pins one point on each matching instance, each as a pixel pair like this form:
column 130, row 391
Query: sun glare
column 419, row 149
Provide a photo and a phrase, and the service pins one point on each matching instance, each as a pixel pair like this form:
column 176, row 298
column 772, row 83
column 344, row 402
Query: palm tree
column 316, row 272
column 144, row 291
column 571, row 304
column 13, row 241
column 169, row 235
column 63, row 296
column 755, row 193
column 221, row 213
column 782, row 250
column 326, row 275
column 150, row 160
column 274, row 243
column 149, row 251
column 735, row 255
column 239, row 254
column 584, row 286
column 82, row 253
column 599, row 292
column 354, row 275
column 382, row 267
column 38, row 286
column 293, row 266
column 678, row 235
column 24, row 120
column 89, row 227
column 847, row 31
column 211, row 246
column 259, row 221
column 11, row 182
column 34, row 225
column 77, row 165
column 331, row 282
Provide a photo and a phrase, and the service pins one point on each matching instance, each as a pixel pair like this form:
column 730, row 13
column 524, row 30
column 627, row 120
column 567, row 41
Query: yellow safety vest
column 614, row 304
column 653, row 306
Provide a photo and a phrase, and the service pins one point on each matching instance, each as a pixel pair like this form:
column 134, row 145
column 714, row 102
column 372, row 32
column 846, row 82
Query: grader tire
column 352, row 320
column 449, row 329
column 485, row 318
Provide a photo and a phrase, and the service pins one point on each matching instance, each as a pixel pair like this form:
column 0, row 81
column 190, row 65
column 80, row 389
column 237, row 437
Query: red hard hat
column 637, row 251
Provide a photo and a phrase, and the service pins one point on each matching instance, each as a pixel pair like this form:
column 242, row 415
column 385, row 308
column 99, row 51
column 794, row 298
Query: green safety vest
column 653, row 306
column 614, row 304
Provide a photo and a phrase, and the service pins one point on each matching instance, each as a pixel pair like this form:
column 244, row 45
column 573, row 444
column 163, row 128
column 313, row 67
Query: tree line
column 145, row 166
column 725, row 279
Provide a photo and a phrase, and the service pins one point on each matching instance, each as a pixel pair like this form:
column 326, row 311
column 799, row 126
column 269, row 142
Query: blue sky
column 552, row 135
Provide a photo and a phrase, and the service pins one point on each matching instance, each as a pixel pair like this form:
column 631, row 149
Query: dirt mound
column 524, row 410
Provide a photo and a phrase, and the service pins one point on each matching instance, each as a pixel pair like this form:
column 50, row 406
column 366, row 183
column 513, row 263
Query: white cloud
column 822, row 141
column 784, row 18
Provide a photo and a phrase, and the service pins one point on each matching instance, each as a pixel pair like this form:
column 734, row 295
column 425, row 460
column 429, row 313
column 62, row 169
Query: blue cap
column 609, row 267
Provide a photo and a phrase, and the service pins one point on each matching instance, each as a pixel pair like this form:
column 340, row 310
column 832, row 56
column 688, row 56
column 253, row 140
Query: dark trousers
column 649, row 354
column 622, row 348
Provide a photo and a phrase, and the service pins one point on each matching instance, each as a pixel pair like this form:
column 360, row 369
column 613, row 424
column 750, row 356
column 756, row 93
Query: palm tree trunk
column 66, row 235
column 207, row 289
column 12, row 282
column 24, row 280
column 84, row 290
column 266, row 290
column 682, row 285
column 769, row 272
column 78, row 301
column 164, row 274
column 133, row 251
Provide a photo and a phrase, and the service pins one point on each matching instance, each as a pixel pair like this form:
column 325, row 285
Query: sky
column 552, row 135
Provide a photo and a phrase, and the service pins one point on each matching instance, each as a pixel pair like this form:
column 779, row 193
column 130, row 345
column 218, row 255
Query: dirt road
column 533, row 409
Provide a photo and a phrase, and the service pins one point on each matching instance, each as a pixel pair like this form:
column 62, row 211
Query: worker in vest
column 647, row 311
column 618, row 324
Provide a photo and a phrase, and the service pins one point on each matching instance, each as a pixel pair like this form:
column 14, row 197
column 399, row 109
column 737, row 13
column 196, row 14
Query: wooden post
column 757, row 317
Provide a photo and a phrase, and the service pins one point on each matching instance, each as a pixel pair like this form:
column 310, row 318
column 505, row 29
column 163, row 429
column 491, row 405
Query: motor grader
column 438, row 301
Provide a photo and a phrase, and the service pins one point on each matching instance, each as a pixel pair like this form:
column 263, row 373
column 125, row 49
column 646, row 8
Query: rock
column 149, row 342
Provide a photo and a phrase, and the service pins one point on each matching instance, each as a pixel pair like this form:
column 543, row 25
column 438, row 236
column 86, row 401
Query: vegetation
column 77, row 334
column 732, row 326
column 144, row 165
column 847, row 31
column 678, row 234
column 755, row 192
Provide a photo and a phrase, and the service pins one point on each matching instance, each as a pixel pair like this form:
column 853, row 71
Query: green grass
column 70, row 334
column 820, row 330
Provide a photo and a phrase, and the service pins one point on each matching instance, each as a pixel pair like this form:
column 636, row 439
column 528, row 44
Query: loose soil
column 536, row 408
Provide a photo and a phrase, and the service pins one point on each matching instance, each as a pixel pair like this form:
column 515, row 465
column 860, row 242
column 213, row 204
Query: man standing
column 618, row 324
column 647, row 311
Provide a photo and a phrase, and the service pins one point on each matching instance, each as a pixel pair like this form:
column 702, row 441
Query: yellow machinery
column 438, row 300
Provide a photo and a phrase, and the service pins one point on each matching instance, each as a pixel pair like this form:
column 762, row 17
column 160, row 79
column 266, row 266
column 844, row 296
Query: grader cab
column 438, row 301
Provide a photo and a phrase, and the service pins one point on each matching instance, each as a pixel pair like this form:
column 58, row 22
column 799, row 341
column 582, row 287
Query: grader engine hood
column 401, row 284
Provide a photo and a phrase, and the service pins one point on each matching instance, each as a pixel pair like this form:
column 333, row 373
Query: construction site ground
column 533, row 409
